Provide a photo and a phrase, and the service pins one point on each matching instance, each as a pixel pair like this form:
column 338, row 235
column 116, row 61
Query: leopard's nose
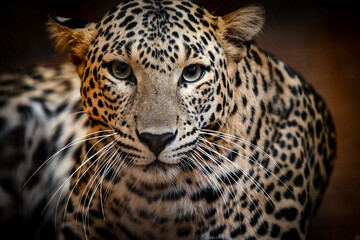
column 157, row 142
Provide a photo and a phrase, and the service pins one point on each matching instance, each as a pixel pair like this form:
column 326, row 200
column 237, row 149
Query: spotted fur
column 243, row 152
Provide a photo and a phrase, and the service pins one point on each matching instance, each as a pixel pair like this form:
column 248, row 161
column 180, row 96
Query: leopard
column 169, row 122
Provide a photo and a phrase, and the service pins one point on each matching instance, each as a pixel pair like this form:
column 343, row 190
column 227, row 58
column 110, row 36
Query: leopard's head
column 157, row 73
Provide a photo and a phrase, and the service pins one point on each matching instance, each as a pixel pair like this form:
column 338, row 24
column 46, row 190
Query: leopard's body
column 242, row 151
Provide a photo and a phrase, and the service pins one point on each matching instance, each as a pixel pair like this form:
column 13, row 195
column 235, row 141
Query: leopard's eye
column 120, row 70
column 193, row 73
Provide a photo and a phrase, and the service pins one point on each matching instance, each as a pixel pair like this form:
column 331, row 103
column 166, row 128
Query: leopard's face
column 156, row 78
column 155, row 74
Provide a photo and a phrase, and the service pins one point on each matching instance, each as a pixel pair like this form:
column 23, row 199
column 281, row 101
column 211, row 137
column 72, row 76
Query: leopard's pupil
column 121, row 68
column 191, row 71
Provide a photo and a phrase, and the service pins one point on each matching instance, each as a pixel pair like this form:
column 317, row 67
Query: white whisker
column 209, row 176
column 216, row 177
column 243, row 172
column 76, row 171
column 255, row 161
column 234, row 164
column 107, row 164
column 63, row 184
column 74, row 142
column 238, row 184
column 107, row 153
column 228, row 137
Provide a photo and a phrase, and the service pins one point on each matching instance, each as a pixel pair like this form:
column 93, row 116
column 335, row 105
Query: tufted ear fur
column 238, row 28
column 73, row 35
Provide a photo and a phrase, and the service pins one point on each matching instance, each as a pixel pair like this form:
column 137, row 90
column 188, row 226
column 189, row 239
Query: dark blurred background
column 319, row 39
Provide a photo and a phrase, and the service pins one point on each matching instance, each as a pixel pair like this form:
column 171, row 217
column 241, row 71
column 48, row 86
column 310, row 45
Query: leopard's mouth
column 156, row 165
column 157, row 171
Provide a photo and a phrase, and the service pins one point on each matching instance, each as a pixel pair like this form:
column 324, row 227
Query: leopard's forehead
column 156, row 27
column 157, row 18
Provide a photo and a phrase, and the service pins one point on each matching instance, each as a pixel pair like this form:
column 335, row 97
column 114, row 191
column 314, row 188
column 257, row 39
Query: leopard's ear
column 73, row 35
column 236, row 29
